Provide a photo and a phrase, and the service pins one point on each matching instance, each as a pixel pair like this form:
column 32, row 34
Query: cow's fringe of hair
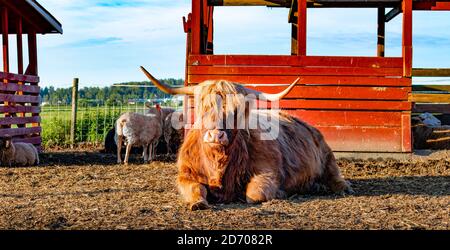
column 237, row 173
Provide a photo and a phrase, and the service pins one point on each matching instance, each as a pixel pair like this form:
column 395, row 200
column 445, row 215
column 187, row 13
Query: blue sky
column 105, row 41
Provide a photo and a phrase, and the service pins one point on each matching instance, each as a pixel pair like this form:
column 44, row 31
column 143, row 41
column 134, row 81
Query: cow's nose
column 216, row 136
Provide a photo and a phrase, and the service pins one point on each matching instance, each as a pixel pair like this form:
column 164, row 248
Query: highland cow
column 217, row 163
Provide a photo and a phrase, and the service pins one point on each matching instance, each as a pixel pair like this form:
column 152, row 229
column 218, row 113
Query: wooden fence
column 359, row 103
column 19, row 108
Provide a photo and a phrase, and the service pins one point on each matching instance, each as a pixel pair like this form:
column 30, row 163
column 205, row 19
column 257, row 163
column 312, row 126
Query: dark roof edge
column 46, row 15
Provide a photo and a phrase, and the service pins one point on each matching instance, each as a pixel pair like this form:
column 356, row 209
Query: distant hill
column 106, row 95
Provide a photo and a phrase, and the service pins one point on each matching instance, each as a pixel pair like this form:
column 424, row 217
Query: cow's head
column 222, row 113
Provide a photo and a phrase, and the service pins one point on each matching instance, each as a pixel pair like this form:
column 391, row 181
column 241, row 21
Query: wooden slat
column 363, row 139
column 421, row 72
column 406, row 132
column 12, row 87
column 348, row 118
column 19, row 78
column 335, row 105
column 431, row 88
column 20, row 109
column 281, row 60
column 345, row 104
column 19, row 131
column 344, row 92
column 298, row 71
column 19, row 98
column 19, row 120
column 33, row 140
column 313, row 80
column 430, row 98
column 432, row 108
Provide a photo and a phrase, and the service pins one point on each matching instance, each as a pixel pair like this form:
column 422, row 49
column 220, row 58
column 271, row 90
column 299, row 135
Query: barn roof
column 35, row 17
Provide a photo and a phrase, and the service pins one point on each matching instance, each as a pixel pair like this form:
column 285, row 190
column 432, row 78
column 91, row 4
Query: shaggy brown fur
column 17, row 153
column 248, row 168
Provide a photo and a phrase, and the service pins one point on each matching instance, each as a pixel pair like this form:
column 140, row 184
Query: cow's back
column 303, row 152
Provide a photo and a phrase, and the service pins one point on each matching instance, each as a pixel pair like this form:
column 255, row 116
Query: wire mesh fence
column 92, row 125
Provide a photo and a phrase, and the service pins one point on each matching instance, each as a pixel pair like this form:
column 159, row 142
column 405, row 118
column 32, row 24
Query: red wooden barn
column 359, row 103
column 19, row 90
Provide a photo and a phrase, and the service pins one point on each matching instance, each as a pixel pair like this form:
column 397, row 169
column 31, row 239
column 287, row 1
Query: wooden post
column 210, row 36
column 381, row 32
column 19, row 46
column 294, row 34
column 196, row 25
column 32, row 54
column 301, row 28
column 5, row 33
column 20, row 61
column 407, row 49
column 73, row 124
column 5, row 50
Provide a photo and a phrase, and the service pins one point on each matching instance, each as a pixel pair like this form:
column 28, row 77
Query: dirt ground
column 87, row 190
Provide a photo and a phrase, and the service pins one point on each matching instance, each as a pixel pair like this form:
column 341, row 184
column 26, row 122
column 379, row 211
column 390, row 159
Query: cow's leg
column 333, row 178
column 119, row 149
column 127, row 153
column 262, row 187
column 193, row 193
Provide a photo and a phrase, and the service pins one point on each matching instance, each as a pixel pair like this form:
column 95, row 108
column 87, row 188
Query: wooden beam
column 392, row 14
column 19, row 46
column 20, row 60
column 210, row 36
column 294, row 41
column 381, row 32
column 422, row 72
column 301, row 27
column 431, row 108
column 32, row 54
column 269, row 3
column 17, row 11
column 5, row 38
column 429, row 98
column 407, row 50
column 432, row 88
column 196, row 26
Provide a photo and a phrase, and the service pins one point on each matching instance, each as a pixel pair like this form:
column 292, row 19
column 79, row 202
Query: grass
column 92, row 123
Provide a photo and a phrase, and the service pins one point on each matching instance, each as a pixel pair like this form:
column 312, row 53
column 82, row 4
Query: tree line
column 111, row 95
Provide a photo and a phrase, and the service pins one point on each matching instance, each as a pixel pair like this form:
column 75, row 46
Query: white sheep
column 165, row 112
column 141, row 130
column 17, row 153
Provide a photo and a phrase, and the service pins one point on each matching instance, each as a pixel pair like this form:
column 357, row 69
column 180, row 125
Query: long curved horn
column 273, row 97
column 166, row 88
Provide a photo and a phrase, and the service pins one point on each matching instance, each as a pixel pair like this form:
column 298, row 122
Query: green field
column 93, row 123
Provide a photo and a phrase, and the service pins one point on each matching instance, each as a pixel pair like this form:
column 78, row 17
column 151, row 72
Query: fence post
column 73, row 124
